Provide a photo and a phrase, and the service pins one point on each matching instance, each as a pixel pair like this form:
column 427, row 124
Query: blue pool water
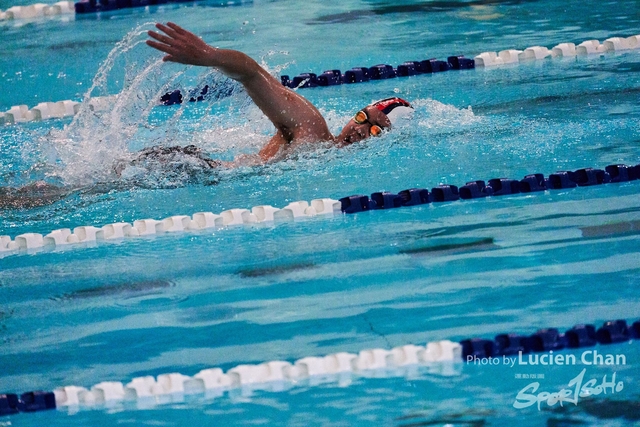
column 189, row 301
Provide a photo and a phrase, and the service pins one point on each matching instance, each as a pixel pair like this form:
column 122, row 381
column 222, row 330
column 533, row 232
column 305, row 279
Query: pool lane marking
column 68, row 108
column 444, row 358
column 90, row 235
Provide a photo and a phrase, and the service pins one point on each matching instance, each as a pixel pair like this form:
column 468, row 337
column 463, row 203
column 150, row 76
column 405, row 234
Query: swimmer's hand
column 182, row 46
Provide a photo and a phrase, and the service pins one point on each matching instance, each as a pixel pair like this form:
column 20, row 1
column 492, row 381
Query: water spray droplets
column 96, row 141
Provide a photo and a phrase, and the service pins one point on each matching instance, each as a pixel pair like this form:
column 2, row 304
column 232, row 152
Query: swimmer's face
column 354, row 131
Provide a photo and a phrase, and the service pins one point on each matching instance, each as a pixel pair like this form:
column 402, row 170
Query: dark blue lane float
column 95, row 6
column 495, row 187
column 353, row 204
column 581, row 336
column 386, row 200
column 377, row 72
column 207, row 92
column 550, row 339
column 32, row 401
column 445, row 193
column 414, row 196
column 532, row 183
column 504, row 186
column 8, row 404
column 510, row 344
column 613, row 332
column 475, row 190
column 328, row 77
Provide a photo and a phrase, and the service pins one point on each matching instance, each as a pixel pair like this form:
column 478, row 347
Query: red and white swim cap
column 395, row 108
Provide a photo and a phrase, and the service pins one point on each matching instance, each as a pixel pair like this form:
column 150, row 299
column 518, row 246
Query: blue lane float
column 532, row 183
column 377, row 72
column 8, row 404
column 445, row 193
column 510, row 344
column 414, row 196
column 504, row 186
column 613, row 332
column 560, row 180
column 622, row 173
column 549, row 339
column 494, row 187
column 32, row 401
column 95, row 6
column 386, row 200
column 207, row 92
column 354, row 204
column 475, row 190
column 581, row 336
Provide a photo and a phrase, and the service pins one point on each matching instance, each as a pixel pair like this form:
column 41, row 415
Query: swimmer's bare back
column 31, row 196
column 295, row 118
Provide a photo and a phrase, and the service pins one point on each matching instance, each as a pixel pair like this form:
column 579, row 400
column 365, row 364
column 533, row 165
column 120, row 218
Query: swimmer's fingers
column 178, row 29
column 181, row 45
column 179, row 54
column 176, row 32
column 167, row 45
column 162, row 48
column 170, row 31
column 161, row 38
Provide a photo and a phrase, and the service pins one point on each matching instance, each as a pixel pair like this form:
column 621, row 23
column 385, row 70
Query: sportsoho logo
column 577, row 388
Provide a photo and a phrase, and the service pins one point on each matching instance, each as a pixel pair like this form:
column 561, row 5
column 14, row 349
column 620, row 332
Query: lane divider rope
column 494, row 187
column 40, row 10
column 37, row 10
column 90, row 235
column 325, row 207
column 485, row 59
column 61, row 109
column 441, row 357
column 53, row 110
column 95, row 6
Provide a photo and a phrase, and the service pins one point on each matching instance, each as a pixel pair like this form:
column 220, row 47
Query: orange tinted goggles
column 361, row 117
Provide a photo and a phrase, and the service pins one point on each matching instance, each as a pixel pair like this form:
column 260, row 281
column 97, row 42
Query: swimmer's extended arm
column 293, row 116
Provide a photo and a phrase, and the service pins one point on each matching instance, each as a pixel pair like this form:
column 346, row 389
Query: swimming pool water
column 182, row 303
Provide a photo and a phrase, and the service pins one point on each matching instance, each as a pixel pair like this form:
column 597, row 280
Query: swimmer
column 295, row 118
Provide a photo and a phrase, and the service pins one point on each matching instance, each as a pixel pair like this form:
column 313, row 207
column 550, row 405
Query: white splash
column 95, row 141
column 433, row 114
